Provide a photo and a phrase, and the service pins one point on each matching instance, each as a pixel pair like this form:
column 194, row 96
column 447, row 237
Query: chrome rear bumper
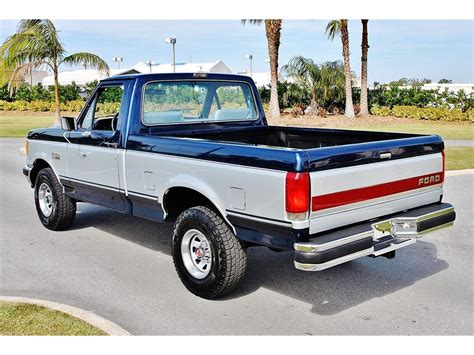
column 374, row 238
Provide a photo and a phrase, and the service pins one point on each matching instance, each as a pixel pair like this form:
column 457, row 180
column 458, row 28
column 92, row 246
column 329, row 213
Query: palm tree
column 364, row 101
column 273, row 32
column 325, row 82
column 340, row 27
column 36, row 44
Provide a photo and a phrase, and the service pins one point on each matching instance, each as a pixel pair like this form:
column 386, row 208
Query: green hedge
column 425, row 113
column 47, row 106
column 40, row 106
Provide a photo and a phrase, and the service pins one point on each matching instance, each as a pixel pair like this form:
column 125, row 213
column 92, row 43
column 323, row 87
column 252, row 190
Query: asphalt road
column 120, row 268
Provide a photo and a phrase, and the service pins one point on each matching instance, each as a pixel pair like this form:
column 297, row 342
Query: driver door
column 94, row 148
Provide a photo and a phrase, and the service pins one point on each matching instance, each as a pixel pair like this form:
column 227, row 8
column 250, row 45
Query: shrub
column 108, row 107
column 425, row 113
column 380, row 111
column 40, row 106
column 73, row 106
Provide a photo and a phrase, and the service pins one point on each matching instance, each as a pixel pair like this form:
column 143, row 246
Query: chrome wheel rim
column 196, row 253
column 45, row 199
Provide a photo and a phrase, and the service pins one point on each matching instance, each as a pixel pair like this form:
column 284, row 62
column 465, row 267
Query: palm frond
column 19, row 74
column 252, row 21
column 333, row 28
column 91, row 60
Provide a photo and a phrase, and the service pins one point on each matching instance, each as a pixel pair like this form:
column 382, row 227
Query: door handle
column 385, row 156
column 111, row 144
column 84, row 154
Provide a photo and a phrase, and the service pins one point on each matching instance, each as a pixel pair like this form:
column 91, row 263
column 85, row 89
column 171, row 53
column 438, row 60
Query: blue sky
column 412, row 49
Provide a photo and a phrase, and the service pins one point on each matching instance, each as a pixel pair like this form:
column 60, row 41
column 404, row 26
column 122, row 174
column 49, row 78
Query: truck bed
column 295, row 137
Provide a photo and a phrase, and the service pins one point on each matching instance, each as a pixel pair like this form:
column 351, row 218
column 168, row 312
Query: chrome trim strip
column 92, row 184
column 334, row 262
column 143, row 196
column 423, row 233
column 434, row 214
column 264, row 220
column 310, row 247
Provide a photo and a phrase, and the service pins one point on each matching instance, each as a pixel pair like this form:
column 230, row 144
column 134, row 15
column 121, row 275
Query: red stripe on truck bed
column 346, row 197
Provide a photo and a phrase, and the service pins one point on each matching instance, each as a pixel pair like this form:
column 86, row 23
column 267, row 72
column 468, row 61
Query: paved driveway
column 120, row 268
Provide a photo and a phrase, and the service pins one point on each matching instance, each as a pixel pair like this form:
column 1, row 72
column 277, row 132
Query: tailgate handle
column 385, row 155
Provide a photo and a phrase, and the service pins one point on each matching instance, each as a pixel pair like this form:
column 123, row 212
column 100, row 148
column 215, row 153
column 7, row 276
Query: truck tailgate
column 362, row 181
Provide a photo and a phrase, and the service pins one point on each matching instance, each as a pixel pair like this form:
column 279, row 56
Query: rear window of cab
column 200, row 101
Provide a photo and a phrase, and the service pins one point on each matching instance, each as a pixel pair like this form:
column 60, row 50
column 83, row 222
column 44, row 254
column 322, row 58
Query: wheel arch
column 38, row 165
column 179, row 197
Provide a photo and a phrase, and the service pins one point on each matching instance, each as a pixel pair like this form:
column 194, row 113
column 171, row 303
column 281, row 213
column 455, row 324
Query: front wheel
column 209, row 259
column 56, row 211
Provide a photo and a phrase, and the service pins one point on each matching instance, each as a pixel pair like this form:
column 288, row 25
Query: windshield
column 169, row 102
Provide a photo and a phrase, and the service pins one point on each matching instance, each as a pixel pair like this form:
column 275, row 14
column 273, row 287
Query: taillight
column 443, row 154
column 297, row 192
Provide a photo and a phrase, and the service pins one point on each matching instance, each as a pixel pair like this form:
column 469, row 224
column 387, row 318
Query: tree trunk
column 364, row 101
column 313, row 106
column 273, row 31
column 57, row 118
column 349, row 111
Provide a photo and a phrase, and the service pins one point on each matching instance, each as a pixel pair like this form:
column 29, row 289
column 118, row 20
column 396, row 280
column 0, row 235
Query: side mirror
column 68, row 123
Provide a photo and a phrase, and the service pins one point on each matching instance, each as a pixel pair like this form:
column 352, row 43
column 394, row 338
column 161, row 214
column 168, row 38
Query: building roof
column 84, row 76
column 263, row 78
column 80, row 76
column 216, row 67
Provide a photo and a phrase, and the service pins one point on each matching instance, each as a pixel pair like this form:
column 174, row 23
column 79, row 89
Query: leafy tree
column 68, row 92
column 340, row 27
column 4, row 93
column 36, row 44
column 412, row 82
column 445, row 81
column 400, row 82
column 325, row 82
column 273, row 32
column 90, row 87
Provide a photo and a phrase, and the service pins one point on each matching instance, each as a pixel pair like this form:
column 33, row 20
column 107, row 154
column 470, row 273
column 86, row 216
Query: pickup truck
column 195, row 149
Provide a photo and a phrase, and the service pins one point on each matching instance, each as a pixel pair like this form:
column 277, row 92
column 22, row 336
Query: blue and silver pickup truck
column 195, row 149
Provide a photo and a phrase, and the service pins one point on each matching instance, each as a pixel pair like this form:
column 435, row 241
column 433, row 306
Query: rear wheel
column 56, row 211
column 209, row 259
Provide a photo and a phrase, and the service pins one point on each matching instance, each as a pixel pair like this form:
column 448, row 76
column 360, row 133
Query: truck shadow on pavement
column 329, row 292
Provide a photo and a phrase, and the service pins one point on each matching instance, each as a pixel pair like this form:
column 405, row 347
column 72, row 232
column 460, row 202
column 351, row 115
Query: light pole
column 149, row 63
column 172, row 40
column 117, row 60
column 250, row 58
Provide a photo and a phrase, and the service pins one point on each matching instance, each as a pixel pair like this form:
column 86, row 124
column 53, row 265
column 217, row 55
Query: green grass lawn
column 447, row 131
column 18, row 125
column 458, row 158
column 28, row 319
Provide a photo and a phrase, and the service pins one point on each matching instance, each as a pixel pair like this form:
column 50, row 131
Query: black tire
column 63, row 207
column 229, row 258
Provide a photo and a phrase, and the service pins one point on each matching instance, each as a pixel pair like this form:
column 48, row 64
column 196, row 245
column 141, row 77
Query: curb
column 459, row 172
column 89, row 317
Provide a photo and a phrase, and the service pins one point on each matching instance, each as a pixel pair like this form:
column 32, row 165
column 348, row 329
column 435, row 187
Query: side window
column 103, row 112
